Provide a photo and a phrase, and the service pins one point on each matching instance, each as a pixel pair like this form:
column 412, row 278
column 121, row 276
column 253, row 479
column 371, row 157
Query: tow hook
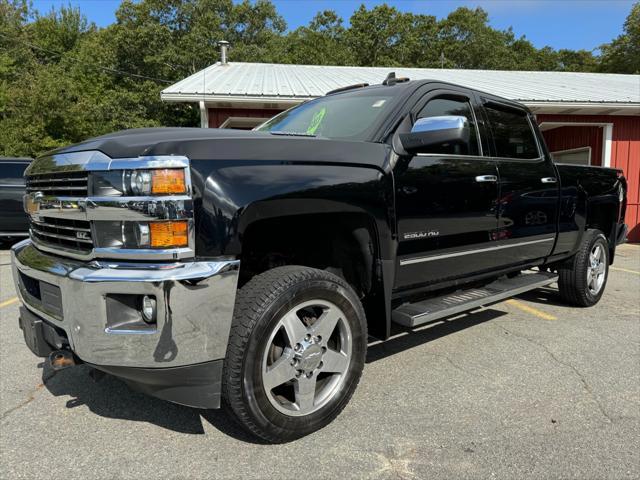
column 61, row 359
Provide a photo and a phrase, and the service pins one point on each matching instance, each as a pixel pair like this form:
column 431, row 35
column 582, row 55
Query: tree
column 62, row 79
column 320, row 43
column 622, row 55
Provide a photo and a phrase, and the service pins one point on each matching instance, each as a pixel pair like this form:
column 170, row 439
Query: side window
column 446, row 106
column 12, row 173
column 512, row 134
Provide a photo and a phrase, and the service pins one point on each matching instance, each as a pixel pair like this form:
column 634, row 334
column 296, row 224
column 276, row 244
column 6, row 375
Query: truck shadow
column 405, row 338
column 544, row 296
column 112, row 398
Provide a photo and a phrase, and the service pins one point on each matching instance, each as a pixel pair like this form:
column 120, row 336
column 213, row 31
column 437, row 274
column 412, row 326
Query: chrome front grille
column 72, row 216
column 70, row 184
column 65, row 233
column 69, row 234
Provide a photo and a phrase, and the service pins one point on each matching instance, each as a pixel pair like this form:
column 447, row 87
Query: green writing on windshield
column 316, row 121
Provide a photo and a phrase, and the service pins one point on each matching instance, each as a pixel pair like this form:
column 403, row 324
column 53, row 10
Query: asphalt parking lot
column 528, row 388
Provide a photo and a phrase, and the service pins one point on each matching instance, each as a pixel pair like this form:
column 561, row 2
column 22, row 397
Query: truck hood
column 222, row 144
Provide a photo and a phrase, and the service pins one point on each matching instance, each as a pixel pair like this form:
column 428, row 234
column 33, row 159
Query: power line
column 97, row 67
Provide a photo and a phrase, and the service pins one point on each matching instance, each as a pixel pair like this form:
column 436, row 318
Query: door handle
column 548, row 180
column 487, row 178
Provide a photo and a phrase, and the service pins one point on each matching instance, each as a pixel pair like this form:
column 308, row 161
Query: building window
column 574, row 156
column 243, row 123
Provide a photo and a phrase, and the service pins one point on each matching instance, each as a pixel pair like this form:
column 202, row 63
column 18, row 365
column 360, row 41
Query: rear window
column 512, row 134
column 12, row 173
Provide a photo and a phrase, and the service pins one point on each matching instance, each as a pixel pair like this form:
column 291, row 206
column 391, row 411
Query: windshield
column 336, row 116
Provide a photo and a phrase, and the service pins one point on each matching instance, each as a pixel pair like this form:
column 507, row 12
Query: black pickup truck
column 13, row 221
column 251, row 269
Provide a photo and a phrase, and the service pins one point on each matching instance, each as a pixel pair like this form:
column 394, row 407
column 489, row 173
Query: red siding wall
column 566, row 138
column 625, row 154
column 217, row 116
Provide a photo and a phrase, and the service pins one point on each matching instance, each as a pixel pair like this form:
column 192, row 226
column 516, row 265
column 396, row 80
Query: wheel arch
column 327, row 235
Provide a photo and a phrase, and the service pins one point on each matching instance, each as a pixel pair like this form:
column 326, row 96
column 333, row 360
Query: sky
column 573, row 24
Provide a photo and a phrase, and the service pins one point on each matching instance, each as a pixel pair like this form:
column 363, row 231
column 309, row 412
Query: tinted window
column 12, row 173
column 344, row 116
column 439, row 107
column 512, row 134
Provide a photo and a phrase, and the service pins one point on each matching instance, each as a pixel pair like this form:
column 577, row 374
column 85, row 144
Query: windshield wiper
column 291, row 134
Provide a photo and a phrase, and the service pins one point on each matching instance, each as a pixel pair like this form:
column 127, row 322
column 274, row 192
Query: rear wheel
column 296, row 352
column 583, row 278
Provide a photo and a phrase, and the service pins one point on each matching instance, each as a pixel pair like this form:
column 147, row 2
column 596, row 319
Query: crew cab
column 250, row 269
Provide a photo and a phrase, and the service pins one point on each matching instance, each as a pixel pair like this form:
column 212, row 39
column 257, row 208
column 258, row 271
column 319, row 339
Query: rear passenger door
column 528, row 187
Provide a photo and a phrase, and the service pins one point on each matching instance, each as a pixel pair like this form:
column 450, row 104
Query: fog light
column 149, row 309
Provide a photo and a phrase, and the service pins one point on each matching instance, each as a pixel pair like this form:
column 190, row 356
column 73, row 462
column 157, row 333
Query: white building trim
column 607, row 143
column 204, row 114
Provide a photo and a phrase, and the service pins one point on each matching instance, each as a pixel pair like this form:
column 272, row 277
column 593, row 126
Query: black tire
column 573, row 282
column 260, row 305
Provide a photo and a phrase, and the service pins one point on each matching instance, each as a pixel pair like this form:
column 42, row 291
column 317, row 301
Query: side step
column 414, row 314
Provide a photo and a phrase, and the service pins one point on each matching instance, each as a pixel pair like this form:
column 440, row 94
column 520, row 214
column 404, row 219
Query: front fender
column 230, row 196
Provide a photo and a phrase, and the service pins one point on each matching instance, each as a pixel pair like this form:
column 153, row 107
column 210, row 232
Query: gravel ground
column 528, row 388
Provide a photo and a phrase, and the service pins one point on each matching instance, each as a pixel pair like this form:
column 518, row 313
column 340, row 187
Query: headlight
column 155, row 182
column 140, row 182
column 130, row 234
column 164, row 181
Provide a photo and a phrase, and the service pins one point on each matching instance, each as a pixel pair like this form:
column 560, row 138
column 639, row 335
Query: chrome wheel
column 307, row 357
column 596, row 269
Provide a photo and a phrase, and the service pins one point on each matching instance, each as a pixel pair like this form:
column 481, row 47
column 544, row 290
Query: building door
column 445, row 201
column 574, row 156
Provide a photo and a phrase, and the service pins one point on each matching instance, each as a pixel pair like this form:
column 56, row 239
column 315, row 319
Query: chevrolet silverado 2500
column 249, row 269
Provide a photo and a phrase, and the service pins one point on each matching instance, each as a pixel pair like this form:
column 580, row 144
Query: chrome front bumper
column 195, row 303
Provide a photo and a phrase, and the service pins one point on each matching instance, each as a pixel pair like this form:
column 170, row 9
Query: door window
column 512, row 133
column 439, row 107
column 12, row 173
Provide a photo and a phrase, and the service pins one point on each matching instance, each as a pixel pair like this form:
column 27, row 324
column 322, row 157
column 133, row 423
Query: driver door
column 446, row 201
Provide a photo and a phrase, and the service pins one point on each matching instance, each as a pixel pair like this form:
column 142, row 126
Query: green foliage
column 62, row 79
column 623, row 54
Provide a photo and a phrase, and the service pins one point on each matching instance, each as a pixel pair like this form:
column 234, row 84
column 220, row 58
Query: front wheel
column 296, row 352
column 584, row 277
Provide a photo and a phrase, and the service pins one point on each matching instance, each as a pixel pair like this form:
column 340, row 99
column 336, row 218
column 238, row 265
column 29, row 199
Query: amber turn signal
column 169, row 234
column 168, row 181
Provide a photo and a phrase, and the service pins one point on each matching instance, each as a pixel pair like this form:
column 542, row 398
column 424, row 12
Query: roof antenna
column 392, row 80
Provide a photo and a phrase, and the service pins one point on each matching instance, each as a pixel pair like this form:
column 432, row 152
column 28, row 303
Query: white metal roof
column 286, row 84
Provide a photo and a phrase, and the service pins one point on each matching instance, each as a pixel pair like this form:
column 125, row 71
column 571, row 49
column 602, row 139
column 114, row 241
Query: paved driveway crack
column 455, row 365
column 30, row 398
column 554, row 357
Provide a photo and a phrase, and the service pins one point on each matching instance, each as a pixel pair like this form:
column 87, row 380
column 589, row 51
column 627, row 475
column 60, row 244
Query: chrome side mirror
column 432, row 124
column 435, row 131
